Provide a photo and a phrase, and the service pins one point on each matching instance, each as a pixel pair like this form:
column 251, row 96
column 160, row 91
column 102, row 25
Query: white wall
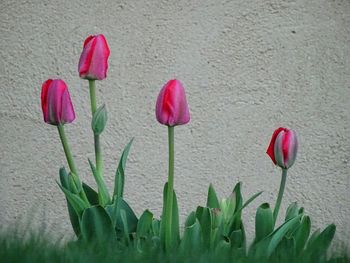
column 247, row 66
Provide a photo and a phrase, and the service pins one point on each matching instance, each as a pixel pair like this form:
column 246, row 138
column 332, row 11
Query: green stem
column 70, row 160
column 103, row 192
column 98, row 153
column 66, row 149
column 169, row 204
column 280, row 195
column 92, row 96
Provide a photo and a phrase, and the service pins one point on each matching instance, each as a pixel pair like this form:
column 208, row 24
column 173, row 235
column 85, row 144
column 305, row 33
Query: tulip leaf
column 125, row 225
column 204, row 217
column 96, row 225
column 237, row 238
column 91, row 194
column 156, row 227
column 302, row 233
column 223, row 248
column 73, row 216
column 264, row 222
column 192, row 234
column 144, row 225
column 292, row 211
column 212, row 200
column 103, row 195
column 76, row 202
column 175, row 227
column 319, row 243
column 279, row 233
column 114, row 211
column 120, row 173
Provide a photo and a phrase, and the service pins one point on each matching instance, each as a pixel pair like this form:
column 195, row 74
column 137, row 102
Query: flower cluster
column 99, row 216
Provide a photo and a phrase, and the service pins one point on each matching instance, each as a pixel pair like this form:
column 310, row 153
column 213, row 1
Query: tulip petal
column 271, row 149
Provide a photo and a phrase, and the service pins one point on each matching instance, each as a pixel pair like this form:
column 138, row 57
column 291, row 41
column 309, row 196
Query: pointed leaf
column 292, row 211
column 212, row 200
column 279, row 233
column 120, row 173
column 144, row 225
column 191, row 240
column 76, row 202
column 302, row 234
column 96, row 225
column 204, row 217
column 90, row 194
column 73, row 216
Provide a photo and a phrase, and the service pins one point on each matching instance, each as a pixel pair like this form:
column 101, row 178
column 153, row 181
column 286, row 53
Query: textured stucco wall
column 248, row 67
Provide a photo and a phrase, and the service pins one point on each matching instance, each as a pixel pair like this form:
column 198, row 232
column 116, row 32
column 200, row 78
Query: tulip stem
column 98, row 152
column 92, row 96
column 169, row 203
column 280, row 194
column 70, row 161
column 66, row 149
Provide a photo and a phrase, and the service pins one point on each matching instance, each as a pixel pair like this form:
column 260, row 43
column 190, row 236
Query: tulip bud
column 56, row 103
column 99, row 120
column 171, row 107
column 93, row 61
column 283, row 147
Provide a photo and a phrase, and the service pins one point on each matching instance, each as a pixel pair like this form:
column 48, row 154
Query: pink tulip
column 171, row 107
column 283, row 147
column 56, row 103
column 93, row 63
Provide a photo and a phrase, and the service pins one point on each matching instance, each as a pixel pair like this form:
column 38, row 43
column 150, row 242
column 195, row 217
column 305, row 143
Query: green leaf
column 90, row 194
column 73, row 216
column 74, row 200
column 238, row 196
column 125, row 225
column 144, row 225
column 191, row 240
column 263, row 222
column 280, row 232
column 302, row 234
column 120, row 173
column 103, row 195
column 96, row 225
column 249, row 201
column 175, row 219
column 156, row 227
column 237, row 238
column 319, row 244
column 114, row 211
column 265, row 247
column 223, row 248
column 204, row 217
column 212, row 200
column 292, row 211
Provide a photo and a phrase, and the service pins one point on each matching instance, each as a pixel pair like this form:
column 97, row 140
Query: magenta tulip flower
column 283, row 147
column 171, row 107
column 93, row 63
column 56, row 103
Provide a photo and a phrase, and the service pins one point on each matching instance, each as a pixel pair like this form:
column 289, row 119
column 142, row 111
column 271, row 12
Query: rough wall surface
column 248, row 67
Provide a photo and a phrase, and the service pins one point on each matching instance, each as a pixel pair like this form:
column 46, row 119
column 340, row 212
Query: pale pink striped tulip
column 283, row 147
